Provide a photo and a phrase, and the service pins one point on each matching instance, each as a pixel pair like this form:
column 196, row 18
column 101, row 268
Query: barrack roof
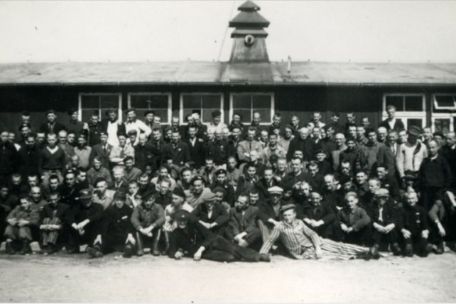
column 219, row 73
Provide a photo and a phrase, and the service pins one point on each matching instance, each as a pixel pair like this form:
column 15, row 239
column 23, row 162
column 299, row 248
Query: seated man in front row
column 303, row 243
column 20, row 221
column 115, row 231
column 191, row 239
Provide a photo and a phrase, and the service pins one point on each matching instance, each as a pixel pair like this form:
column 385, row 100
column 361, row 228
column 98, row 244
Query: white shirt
column 216, row 128
column 139, row 127
column 112, row 133
column 391, row 123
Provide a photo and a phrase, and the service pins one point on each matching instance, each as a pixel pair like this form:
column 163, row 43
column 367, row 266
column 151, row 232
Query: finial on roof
column 249, row 34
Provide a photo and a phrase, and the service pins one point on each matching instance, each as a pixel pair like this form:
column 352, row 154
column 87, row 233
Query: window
column 160, row 103
column 444, row 102
column 245, row 104
column 444, row 112
column 201, row 103
column 98, row 103
column 411, row 108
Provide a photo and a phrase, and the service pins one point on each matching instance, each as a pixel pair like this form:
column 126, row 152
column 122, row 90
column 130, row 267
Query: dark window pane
column 162, row 113
column 87, row 114
column 245, row 115
column 414, row 122
column 261, row 102
column 265, row 114
column 413, row 103
column 442, row 125
column 444, row 101
column 149, row 101
column 90, row 101
column 211, row 101
column 242, row 101
column 192, row 101
column 206, row 115
column 109, row 101
column 396, row 101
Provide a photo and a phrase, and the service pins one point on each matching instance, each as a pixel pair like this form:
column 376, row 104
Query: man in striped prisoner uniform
column 304, row 243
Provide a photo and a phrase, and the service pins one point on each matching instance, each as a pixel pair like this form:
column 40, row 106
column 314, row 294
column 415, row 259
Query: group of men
column 236, row 192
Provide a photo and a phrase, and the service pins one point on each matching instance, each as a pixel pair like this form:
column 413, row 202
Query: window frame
column 446, row 116
column 119, row 105
column 439, row 108
column 406, row 114
column 170, row 102
column 271, row 94
column 181, row 105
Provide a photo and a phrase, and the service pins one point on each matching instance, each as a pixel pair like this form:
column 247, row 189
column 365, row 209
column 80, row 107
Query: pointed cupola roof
column 248, row 21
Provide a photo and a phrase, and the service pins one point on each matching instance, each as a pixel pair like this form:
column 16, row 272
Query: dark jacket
column 245, row 221
column 179, row 153
column 197, row 152
column 435, row 173
column 143, row 156
column 102, row 153
column 190, row 239
column 304, row 145
column 398, row 125
column 414, row 219
column 219, row 216
column 55, row 128
column 28, row 156
column 116, row 222
column 9, row 159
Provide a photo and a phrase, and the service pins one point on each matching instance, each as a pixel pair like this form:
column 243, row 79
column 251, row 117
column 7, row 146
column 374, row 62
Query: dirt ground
column 65, row 278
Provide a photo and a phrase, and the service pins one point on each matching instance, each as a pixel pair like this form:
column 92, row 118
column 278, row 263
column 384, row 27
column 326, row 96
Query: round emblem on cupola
column 249, row 40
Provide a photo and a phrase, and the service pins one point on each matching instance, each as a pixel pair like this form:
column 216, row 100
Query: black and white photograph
column 227, row 151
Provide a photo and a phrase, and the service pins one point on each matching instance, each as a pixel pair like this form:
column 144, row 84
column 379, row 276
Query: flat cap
column 287, row 207
column 382, row 192
column 182, row 216
column 275, row 190
column 414, row 130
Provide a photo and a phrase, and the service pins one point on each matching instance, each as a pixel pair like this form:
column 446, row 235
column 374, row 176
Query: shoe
column 73, row 250
column 396, row 249
column 363, row 256
column 128, row 251
column 94, row 252
column 264, row 257
column 155, row 252
column 374, row 252
column 140, row 252
column 440, row 249
column 26, row 248
column 52, row 249
column 408, row 250
column 9, row 248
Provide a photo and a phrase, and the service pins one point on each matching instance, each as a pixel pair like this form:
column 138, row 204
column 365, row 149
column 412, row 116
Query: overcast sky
column 406, row 31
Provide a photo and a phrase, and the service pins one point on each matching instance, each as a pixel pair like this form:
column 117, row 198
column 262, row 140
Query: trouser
column 148, row 242
column 18, row 233
column 48, row 173
column 222, row 250
column 361, row 237
column 265, row 231
column 50, row 236
column 113, row 242
column 332, row 250
column 384, row 239
column 75, row 239
column 434, row 235
column 418, row 243
column 429, row 195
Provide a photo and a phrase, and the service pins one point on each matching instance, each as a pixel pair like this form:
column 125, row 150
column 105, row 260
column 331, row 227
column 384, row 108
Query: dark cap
column 182, row 216
column 287, row 207
column 414, row 130
column 120, row 196
column 85, row 194
column 220, row 171
column 216, row 113
column 179, row 192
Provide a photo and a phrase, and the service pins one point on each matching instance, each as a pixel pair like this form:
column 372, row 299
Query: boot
column 374, row 252
column 439, row 249
column 408, row 250
column 128, row 251
column 25, row 247
column 155, row 250
column 396, row 249
column 140, row 251
column 264, row 257
column 94, row 252
column 9, row 248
